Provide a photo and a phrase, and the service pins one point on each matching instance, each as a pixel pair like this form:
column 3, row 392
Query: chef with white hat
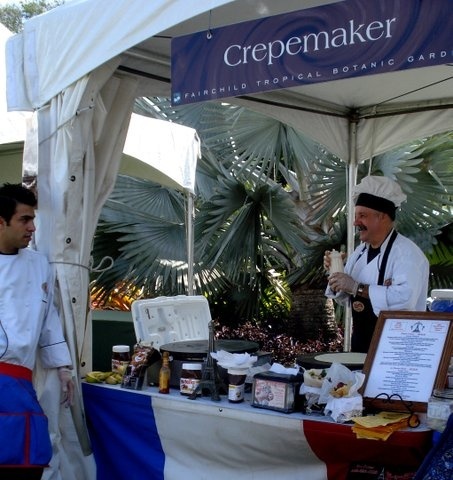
column 387, row 271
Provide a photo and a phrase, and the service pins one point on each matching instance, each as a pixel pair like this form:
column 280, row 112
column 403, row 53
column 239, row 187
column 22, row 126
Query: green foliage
column 269, row 203
column 13, row 16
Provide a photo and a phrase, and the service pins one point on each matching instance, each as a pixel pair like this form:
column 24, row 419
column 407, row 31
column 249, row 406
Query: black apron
column 363, row 318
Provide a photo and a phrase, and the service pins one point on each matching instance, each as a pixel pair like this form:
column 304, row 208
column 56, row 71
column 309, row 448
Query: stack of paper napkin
column 379, row 426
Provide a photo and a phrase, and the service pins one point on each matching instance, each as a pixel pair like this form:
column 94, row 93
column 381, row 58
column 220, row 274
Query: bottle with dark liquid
column 164, row 374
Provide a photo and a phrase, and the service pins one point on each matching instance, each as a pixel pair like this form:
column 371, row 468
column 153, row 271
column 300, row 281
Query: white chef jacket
column 407, row 269
column 29, row 321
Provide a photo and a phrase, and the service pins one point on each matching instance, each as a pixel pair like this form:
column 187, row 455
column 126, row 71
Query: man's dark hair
column 10, row 195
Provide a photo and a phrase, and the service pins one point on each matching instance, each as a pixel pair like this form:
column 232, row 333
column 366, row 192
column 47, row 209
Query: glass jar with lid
column 121, row 358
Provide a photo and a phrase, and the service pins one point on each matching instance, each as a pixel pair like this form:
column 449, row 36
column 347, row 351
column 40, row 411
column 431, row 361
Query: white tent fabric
column 171, row 150
column 12, row 124
column 80, row 137
column 79, row 67
column 323, row 111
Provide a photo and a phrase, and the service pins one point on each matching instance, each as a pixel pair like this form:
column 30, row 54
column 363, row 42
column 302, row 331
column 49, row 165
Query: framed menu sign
column 408, row 358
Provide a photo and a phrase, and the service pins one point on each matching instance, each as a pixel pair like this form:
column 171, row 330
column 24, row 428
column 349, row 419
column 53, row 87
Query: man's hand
column 326, row 261
column 67, row 385
column 342, row 282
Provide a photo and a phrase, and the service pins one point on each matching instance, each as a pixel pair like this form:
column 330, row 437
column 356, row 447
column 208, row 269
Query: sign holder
column 408, row 358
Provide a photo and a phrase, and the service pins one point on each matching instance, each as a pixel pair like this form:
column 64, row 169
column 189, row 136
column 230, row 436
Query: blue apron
column 24, row 434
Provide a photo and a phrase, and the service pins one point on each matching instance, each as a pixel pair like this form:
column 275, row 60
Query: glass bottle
column 164, row 374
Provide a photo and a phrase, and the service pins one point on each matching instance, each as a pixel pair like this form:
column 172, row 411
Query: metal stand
column 210, row 379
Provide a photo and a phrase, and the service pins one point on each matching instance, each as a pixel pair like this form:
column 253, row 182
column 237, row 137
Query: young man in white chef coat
column 387, row 271
column 29, row 326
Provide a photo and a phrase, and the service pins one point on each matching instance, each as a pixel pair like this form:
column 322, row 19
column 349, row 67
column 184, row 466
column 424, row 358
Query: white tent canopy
column 59, row 49
column 80, row 66
column 168, row 151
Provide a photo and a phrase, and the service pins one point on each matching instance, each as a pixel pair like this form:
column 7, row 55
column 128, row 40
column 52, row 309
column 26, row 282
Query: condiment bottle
column 236, row 385
column 336, row 262
column 164, row 374
column 121, row 358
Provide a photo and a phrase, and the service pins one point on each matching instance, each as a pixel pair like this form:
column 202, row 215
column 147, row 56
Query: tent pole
column 352, row 180
column 190, row 240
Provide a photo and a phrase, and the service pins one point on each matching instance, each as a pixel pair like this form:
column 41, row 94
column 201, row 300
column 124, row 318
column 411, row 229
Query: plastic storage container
column 165, row 320
column 441, row 300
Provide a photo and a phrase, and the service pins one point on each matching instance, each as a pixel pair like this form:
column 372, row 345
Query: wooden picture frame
column 408, row 358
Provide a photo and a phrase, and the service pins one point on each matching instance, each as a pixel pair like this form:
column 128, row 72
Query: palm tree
column 269, row 202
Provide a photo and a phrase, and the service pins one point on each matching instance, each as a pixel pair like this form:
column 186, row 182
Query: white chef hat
column 379, row 193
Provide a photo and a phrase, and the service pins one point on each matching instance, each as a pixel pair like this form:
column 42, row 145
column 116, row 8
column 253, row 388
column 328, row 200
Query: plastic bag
column 340, row 382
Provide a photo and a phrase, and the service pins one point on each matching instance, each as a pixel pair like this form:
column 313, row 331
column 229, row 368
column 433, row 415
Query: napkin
column 380, row 426
column 234, row 360
column 339, row 392
column 278, row 368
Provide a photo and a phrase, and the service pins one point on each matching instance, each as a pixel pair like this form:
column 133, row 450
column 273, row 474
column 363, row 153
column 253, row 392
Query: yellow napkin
column 380, row 426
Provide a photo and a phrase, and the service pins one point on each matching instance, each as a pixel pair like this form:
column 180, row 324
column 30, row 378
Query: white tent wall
column 81, row 133
column 57, row 67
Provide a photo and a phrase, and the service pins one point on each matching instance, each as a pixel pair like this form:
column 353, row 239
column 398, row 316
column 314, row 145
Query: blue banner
column 347, row 39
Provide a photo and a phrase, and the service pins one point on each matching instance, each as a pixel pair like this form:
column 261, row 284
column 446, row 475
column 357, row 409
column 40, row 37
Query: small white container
column 164, row 320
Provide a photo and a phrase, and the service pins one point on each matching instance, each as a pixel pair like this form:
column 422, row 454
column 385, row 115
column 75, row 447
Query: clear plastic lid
column 238, row 371
column 120, row 349
column 442, row 293
column 191, row 366
column 446, row 393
